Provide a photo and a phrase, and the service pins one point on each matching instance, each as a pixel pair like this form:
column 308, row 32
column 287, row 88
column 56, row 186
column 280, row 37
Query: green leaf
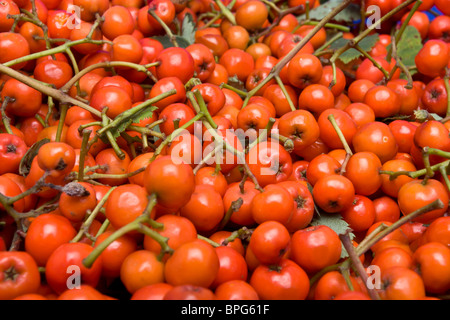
column 25, row 163
column 332, row 220
column 348, row 15
column 165, row 41
column 409, row 46
column 133, row 118
column 188, row 28
column 236, row 83
column 336, row 223
column 436, row 116
column 351, row 54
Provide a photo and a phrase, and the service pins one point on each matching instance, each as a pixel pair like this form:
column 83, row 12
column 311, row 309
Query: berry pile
column 224, row 150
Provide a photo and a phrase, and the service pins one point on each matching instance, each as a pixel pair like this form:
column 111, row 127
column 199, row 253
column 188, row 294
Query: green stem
column 132, row 226
column 335, row 26
column 235, row 206
column 226, row 12
column 92, row 257
column 175, row 134
column 426, row 162
column 239, row 92
column 86, row 224
column 114, row 176
column 334, row 79
column 162, row 241
column 399, row 64
column 345, row 272
column 164, row 26
column 404, row 25
column 204, row 109
column 332, row 119
column 443, row 171
column 5, row 119
column 447, row 88
column 83, row 152
column 51, row 108
column 220, row 141
column 363, row 248
column 110, row 137
column 146, row 131
column 415, row 174
column 129, row 113
column 356, row 262
column 107, row 64
column 211, row 242
column 283, row 61
column 374, row 62
column 336, row 37
column 307, row 10
column 61, row 123
column 103, row 228
column 263, row 136
column 363, row 13
column 244, row 234
column 276, row 21
column 60, row 49
column 46, row 90
column 205, row 159
column 286, row 94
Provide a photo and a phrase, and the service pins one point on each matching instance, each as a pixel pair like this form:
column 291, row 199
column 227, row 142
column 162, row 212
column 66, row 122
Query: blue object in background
column 432, row 16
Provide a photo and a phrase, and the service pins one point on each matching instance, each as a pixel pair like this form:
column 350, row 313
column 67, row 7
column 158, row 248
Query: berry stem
column 399, row 64
column 103, row 228
column 110, row 137
column 335, row 38
column 284, row 61
column 415, row 174
column 348, row 151
column 204, row 109
column 400, row 32
column 286, row 94
column 363, row 13
column 426, row 162
column 226, row 12
column 83, row 152
column 107, row 64
column 211, row 242
column 137, row 224
column 166, row 28
column 88, row 222
column 95, row 176
column 124, row 116
column 5, row 119
column 356, row 262
column 235, row 206
column 443, row 172
column 364, row 247
column 236, row 90
column 64, row 107
column 46, row 90
column 280, row 16
column 447, row 89
column 175, row 134
column 374, row 62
